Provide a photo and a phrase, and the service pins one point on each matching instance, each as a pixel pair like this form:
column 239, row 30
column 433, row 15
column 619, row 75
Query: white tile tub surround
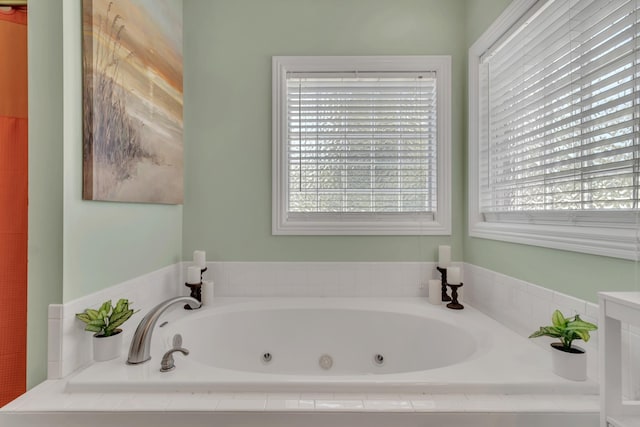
column 518, row 305
column 524, row 307
column 321, row 279
column 69, row 345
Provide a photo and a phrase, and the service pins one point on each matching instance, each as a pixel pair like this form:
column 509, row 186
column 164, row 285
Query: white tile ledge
column 50, row 397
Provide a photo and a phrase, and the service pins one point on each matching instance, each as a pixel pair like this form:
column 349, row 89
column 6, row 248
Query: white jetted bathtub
column 333, row 344
column 316, row 339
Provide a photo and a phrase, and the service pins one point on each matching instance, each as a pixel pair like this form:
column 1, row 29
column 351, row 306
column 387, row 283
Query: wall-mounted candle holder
column 443, row 279
column 454, row 304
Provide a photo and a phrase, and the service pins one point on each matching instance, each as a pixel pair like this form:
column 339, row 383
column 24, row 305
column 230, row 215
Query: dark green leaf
column 583, row 335
column 549, row 331
column 121, row 306
column 115, row 323
column 116, row 317
column 92, row 328
column 105, row 307
column 582, row 325
column 97, row 322
column 84, row 317
column 93, row 314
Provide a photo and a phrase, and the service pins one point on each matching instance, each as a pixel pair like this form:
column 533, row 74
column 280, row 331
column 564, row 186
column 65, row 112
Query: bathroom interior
column 80, row 253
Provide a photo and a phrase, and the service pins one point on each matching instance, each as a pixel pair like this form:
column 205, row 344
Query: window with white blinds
column 360, row 145
column 559, row 116
column 362, row 142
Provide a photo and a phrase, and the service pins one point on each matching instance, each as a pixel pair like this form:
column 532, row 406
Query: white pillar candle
column 435, row 291
column 193, row 275
column 200, row 259
column 207, row 292
column 444, row 256
column 453, row 275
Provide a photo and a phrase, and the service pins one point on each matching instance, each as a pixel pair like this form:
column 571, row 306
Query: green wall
column 104, row 243
column 228, row 124
column 228, row 50
column 480, row 14
column 572, row 273
column 76, row 247
column 45, row 179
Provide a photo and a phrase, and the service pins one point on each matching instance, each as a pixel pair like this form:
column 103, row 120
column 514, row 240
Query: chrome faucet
column 140, row 349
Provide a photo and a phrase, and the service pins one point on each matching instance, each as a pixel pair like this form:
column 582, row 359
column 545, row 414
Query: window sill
column 381, row 226
column 604, row 241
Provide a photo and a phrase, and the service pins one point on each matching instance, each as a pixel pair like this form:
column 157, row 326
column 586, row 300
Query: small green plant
column 566, row 329
column 107, row 318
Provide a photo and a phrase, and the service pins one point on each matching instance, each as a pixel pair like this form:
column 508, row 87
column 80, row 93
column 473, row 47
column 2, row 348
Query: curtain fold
column 13, row 202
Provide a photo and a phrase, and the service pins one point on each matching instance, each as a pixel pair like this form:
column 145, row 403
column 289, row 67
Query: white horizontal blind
column 560, row 113
column 361, row 143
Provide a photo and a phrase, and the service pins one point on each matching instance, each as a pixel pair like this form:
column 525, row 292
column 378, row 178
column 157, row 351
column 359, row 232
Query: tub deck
column 504, row 363
column 505, row 385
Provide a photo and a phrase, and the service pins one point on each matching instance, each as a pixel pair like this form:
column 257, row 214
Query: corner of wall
column 45, row 178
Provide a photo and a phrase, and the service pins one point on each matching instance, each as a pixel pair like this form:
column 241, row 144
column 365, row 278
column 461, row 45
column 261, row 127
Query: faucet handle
column 177, row 341
column 168, row 364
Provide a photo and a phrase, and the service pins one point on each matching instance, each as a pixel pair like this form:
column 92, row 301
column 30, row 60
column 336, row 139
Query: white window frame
column 285, row 224
column 598, row 233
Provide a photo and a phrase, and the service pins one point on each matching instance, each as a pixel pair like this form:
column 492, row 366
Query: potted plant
column 105, row 322
column 569, row 361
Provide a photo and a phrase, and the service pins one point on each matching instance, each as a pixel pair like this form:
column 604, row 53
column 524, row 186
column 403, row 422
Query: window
column 554, row 126
column 361, row 145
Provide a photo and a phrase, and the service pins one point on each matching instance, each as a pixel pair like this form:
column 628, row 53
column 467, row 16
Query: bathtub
column 334, row 345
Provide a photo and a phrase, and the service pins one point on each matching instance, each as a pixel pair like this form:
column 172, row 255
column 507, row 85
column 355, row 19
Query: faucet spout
column 140, row 349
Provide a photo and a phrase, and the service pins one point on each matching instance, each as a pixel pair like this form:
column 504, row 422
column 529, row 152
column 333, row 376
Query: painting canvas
column 132, row 101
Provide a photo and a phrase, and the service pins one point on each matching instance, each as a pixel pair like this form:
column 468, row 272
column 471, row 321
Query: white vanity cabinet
column 616, row 308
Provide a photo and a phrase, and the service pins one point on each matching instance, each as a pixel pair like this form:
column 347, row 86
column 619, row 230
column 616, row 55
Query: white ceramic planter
column 572, row 366
column 107, row 348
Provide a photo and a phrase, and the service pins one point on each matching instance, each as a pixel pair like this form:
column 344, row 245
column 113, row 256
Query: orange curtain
column 13, row 202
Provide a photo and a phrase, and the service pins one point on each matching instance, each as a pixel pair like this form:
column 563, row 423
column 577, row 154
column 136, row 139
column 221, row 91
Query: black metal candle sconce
column 443, row 280
column 454, row 304
column 196, row 290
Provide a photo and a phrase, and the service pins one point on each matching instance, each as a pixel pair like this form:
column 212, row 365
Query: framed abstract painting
column 132, row 101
